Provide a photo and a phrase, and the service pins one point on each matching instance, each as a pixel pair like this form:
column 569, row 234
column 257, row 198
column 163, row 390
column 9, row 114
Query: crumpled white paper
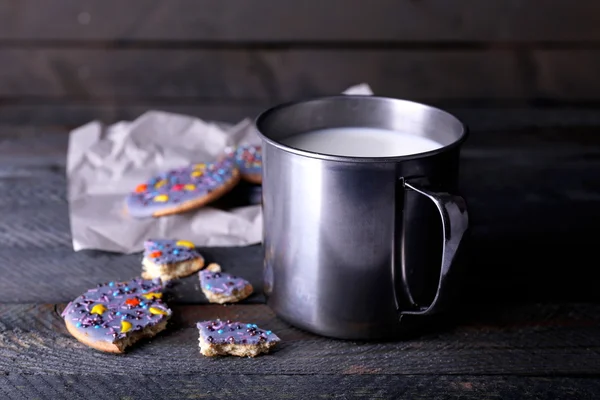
column 105, row 163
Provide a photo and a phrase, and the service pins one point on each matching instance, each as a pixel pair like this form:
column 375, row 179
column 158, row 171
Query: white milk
column 361, row 142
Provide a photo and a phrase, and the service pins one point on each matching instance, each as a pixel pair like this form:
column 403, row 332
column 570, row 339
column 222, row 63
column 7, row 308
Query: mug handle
column 455, row 221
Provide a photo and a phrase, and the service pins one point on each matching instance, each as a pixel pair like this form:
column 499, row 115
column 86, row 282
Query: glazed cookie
column 220, row 287
column 249, row 161
column 182, row 189
column 170, row 259
column 234, row 338
column 115, row 315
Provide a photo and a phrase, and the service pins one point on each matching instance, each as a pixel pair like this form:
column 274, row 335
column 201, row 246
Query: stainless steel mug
column 351, row 243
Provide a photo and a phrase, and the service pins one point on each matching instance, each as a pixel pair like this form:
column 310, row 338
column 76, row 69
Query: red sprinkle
column 133, row 302
column 141, row 188
column 156, row 254
column 179, row 186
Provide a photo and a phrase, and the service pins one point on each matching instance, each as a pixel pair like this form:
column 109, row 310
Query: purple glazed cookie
column 220, row 287
column 182, row 189
column 170, row 259
column 248, row 159
column 234, row 338
column 115, row 315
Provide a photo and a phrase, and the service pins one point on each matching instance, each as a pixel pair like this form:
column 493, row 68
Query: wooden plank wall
column 65, row 63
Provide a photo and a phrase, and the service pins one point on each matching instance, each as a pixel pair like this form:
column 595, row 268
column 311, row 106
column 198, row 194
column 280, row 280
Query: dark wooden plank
column 309, row 20
column 73, row 114
column 250, row 75
column 48, row 270
column 529, row 190
column 28, row 145
column 556, row 71
column 20, row 116
column 109, row 387
column 532, row 200
column 538, row 340
column 243, row 77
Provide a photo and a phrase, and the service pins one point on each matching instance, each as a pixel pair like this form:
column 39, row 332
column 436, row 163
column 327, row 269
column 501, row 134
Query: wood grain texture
column 59, row 274
column 41, row 113
column 40, row 116
column 18, row 144
column 232, row 84
column 556, row 72
column 509, row 178
column 531, row 340
column 250, row 75
column 532, row 195
column 310, row 20
column 369, row 387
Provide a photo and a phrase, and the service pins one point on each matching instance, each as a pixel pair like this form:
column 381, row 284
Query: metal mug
column 353, row 243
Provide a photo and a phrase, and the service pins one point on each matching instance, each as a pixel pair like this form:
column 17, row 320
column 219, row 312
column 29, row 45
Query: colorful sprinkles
column 248, row 159
column 178, row 186
column 165, row 251
column 224, row 332
column 111, row 310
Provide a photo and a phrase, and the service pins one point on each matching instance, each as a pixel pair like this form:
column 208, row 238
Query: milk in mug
column 361, row 142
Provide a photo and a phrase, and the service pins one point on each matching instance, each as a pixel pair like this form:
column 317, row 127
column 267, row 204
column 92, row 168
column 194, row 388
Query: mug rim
column 355, row 159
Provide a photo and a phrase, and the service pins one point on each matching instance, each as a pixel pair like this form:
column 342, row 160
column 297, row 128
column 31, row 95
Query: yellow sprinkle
column 201, row 166
column 157, row 311
column 98, row 309
column 189, row 186
column 161, row 198
column 152, row 295
column 185, row 243
column 125, row 326
column 196, row 174
column 160, row 183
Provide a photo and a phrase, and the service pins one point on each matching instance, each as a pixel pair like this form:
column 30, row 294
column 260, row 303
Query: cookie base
column 167, row 272
column 236, row 296
column 117, row 346
column 202, row 201
column 240, row 350
column 253, row 178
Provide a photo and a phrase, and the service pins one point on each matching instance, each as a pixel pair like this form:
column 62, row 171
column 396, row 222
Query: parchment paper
column 105, row 163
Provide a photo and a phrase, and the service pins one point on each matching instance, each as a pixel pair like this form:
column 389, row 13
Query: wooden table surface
column 527, row 324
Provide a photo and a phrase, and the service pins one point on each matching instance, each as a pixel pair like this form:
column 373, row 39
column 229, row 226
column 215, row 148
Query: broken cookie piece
column 115, row 315
column 170, row 259
column 220, row 287
column 234, row 338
